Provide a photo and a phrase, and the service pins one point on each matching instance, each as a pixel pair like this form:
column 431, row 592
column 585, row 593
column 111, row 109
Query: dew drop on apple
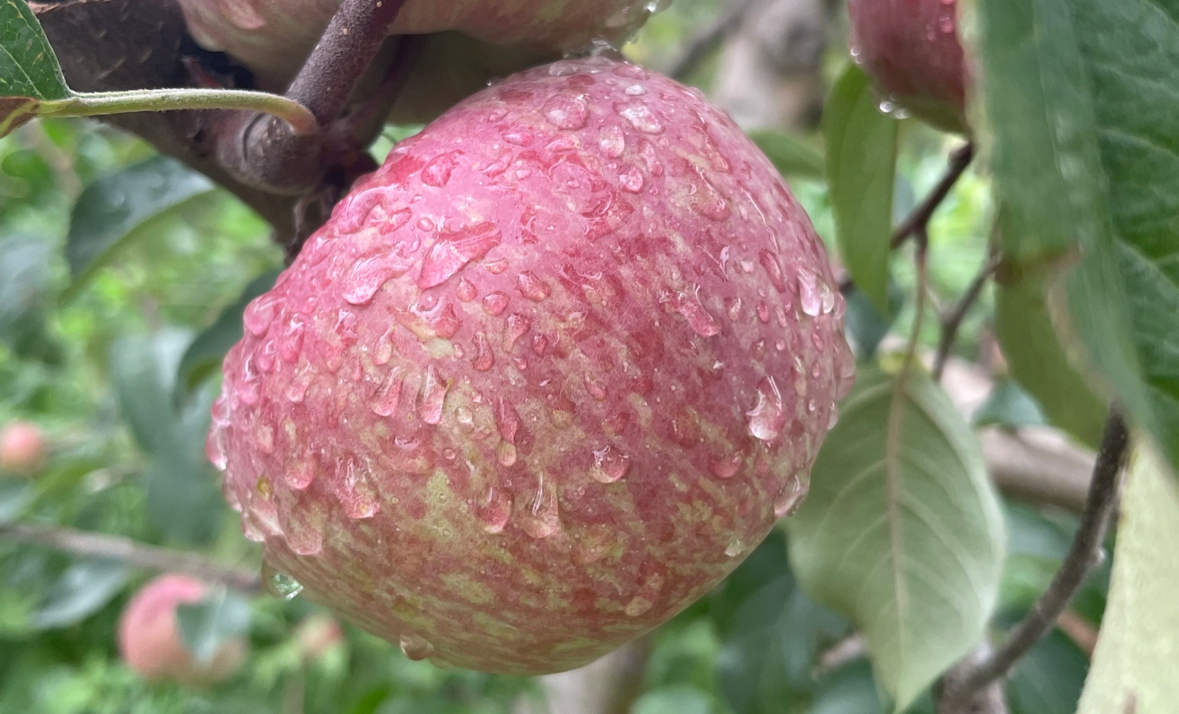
column 389, row 398
column 631, row 179
column 610, row 465
column 415, row 646
column 726, row 467
column 215, row 444
column 466, row 290
column 495, row 303
column 790, row 498
column 612, row 141
column 541, row 518
column 432, row 397
column 566, row 112
column 809, row 297
column 640, row 117
column 279, row 584
column 259, row 314
column 768, row 416
column 496, row 509
column 735, row 547
column 366, row 278
column 532, row 287
column 701, row 321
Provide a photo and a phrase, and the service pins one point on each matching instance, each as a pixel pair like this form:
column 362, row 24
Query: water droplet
column 519, row 137
column 495, row 510
column 734, row 548
column 767, row 418
column 631, row 179
column 645, row 598
column 596, row 387
column 770, row 262
column 790, row 498
column 566, row 112
column 300, row 474
column 827, row 298
column 279, row 584
column 507, row 420
column 437, row 172
column 466, row 290
column 635, row 90
column 495, row 303
column 541, row 518
column 532, row 287
column 728, row 466
column 705, row 199
column 809, row 297
column 609, row 465
column 611, row 141
column 454, row 249
column 291, row 342
column 297, row 390
column 433, row 396
column 701, row 321
column 215, row 446
column 260, row 313
column 763, row 312
column 415, row 646
column 484, row 359
column 390, row 395
column 365, row 278
column 506, row 454
column 640, row 117
column 517, row 326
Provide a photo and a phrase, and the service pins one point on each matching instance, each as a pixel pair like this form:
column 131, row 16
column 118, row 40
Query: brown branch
column 708, row 39
column 1083, row 555
column 951, row 321
column 960, row 159
column 140, row 555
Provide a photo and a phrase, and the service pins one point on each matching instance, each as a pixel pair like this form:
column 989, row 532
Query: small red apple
column 543, row 379
column 151, row 643
column 22, row 448
column 911, row 49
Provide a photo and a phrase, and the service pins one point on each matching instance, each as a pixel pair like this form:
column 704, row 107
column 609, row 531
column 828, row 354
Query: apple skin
column 151, row 644
column 912, row 51
column 22, row 448
column 470, row 41
column 543, row 379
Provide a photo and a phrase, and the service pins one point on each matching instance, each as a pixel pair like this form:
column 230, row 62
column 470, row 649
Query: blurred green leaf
column 29, row 72
column 15, row 497
column 1038, row 360
column 1048, row 679
column 766, row 564
column 679, row 700
column 207, row 351
column 1086, row 160
column 117, row 209
column 791, row 155
column 1135, row 663
column 143, row 370
column 25, row 296
column 207, row 625
column 83, row 589
column 902, row 529
column 866, row 326
column 1008, row 405
column 861, row 166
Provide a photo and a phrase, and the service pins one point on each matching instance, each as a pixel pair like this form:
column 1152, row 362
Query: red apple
column 150, row 639
column 543, row 379
column 22, row 448
column 471, row 41
column 911, row 49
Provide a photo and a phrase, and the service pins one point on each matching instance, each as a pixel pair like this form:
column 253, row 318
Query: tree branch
column 703, row 44
column 952, row 320
column 140, row 555
column 960, row 159
column 1083, row 555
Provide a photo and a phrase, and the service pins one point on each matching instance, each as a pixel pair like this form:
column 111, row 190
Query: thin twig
column 70, row 540
column 1084, row 554
column 952, row 320
column 960, row 159
column 708, row 39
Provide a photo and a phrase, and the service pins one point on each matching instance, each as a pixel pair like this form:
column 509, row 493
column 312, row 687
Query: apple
column 22, row 448
column 151, row 643
column 470, row 41
column 911, row 50
column 543, row 379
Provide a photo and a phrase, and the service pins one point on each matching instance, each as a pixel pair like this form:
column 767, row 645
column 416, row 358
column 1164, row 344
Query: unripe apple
column 22, row 448
column 151, row 642
column 911, row 49
column 471, row 41
column 317, row 634
column 543, row 379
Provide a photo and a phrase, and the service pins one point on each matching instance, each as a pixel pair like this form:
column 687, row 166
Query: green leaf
column 82, row 590
column 1008, row 405
column 29, row 72
column 674, row 700
column 143, row 370
column 865, row 325
column 1078, row 96
column 1048, row 679
column 1137, row 656
column 25, row 296
column 1037, row 359
column 848, row 690
column 791, row 155
column 209, row 624
column 205, row 353
column 861, row 165
column 119, row 208
column 15, row 497
column 902, row 530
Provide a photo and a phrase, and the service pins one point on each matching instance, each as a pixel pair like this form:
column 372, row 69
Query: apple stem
column 142, row 555
column 1084, row 554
